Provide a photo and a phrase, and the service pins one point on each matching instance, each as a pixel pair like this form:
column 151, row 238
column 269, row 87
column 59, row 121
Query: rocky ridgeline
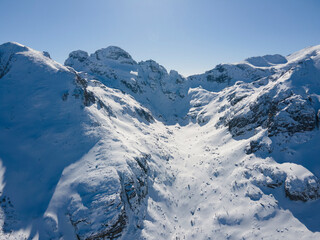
column 281, row 96
column 272, row 93
column 147, row 81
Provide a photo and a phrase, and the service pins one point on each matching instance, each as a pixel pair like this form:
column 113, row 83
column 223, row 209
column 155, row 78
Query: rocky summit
column 104, row 147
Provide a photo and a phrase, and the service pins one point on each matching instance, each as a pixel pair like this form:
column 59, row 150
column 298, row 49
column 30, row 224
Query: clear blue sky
column 190, row 36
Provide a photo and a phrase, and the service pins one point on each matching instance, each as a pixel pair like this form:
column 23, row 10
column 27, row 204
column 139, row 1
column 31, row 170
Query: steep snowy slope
column 69, row 168
column 126, row 150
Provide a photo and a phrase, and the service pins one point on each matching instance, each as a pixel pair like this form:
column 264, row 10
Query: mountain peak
column 113, row 53
column 12, row 47
column 103, row 56
column 267, row 60
column 313, row 51
column 79, row 55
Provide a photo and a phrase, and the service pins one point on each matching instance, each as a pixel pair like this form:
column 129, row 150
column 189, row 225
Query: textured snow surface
column 108, row 148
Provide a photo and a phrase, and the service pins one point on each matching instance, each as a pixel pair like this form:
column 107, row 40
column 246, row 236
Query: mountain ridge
column 115, row 149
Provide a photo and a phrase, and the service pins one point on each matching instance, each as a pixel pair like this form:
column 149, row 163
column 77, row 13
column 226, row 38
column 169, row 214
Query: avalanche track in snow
column 108, row 148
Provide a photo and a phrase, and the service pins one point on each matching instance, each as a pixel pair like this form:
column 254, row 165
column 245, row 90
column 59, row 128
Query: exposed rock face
column 46, row 54
column 277, row 109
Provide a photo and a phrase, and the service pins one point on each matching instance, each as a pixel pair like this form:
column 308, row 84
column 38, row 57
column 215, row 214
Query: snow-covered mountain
column 148, row 82
column 108, row 148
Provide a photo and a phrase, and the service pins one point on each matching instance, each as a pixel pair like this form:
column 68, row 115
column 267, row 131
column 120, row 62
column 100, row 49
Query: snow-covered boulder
column 300, row 183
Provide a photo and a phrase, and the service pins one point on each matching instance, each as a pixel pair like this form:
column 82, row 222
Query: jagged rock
column 144, row 114
column 46, row 54
column 275, row 108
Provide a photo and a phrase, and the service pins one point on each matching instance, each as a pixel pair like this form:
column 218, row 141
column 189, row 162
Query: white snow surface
column 108, row 148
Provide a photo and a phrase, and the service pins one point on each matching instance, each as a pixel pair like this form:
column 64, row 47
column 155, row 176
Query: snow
column 127, row 150
column 267, row 60
column 134, row 73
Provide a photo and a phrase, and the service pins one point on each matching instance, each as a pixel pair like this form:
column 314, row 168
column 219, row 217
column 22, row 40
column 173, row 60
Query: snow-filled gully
column 200, row 184
column 207, row 192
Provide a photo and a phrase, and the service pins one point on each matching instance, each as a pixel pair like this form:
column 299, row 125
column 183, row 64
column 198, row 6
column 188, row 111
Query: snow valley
column 104, row 147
